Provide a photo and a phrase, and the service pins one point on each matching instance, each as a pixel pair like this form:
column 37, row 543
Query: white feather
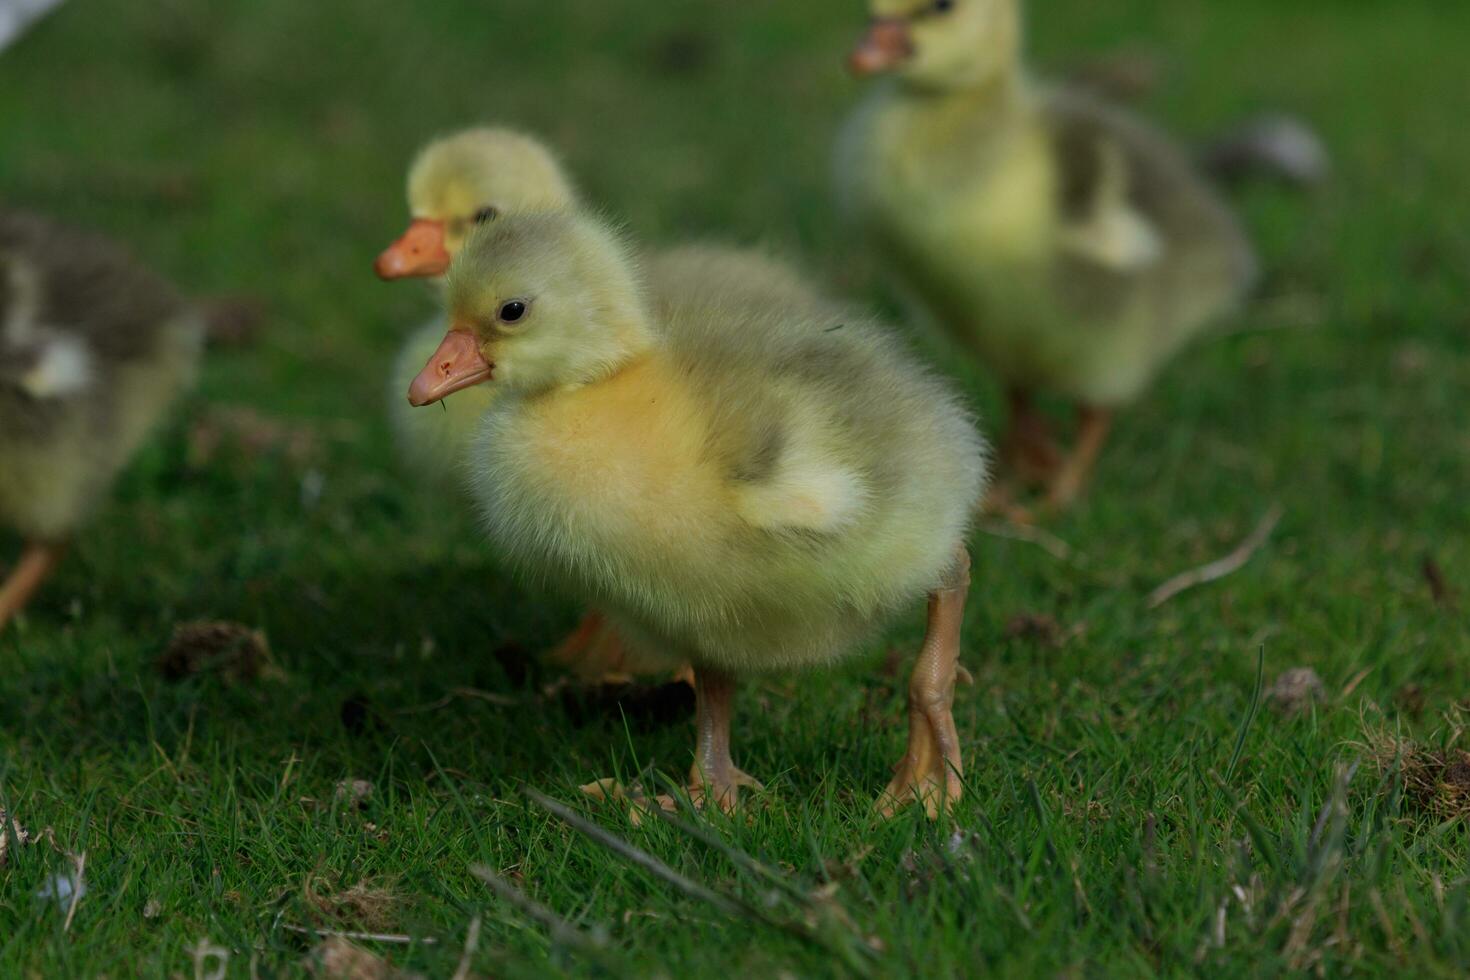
column 64, row 368
column 805, row 494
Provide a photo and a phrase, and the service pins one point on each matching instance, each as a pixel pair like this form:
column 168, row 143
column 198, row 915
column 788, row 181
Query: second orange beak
column 455, row 366
column 419, row 253
column 886, row 46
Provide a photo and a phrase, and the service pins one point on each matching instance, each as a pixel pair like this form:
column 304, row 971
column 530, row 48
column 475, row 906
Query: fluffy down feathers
column 1068, row 244
column 746, row 488
column 93, row 349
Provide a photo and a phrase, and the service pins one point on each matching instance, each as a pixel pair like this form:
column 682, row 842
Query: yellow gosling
column 748, row 489
column 1068, row 244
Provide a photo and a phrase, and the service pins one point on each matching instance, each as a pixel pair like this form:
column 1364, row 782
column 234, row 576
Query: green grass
column 258, row 147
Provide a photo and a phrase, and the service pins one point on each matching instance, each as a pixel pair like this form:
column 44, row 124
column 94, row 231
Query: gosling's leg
column 37, row 562
column 1028, row 450
column 593, row 652
column 931, row 768
column 1028, row 456
column 714, row 777
column 1093, row 427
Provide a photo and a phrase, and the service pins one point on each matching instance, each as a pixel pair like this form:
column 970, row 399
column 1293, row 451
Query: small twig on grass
column 1043, row 539
column 1217, row 570
column 371, row 937
column 734, row 855
column 636, row 855
column 562, row 931
column 727, row 904
column 489, row 697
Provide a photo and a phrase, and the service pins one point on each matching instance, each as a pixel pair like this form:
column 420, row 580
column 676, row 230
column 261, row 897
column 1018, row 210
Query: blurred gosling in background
column 747, row 489
column 1069, row 245
column 93, row 350
column 472, row 178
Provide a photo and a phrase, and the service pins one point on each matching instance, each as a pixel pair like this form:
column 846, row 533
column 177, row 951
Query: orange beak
column 455, row 366
column 886, row 46
column 420, row 252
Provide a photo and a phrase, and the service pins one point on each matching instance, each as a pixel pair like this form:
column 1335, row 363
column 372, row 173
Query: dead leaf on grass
column 367, row 905
column 1295, row 691
column 1436, row 780
column 232, row 651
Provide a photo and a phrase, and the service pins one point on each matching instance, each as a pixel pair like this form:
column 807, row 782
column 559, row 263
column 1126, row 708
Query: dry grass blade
column 397, row 939
column 636, row 855
column 1217, row 570
column 725, row 903
column 735, row 856
column 471, row 943
column 562, row 932
column 463, row 693
column 1045, row 540
column 78, row 888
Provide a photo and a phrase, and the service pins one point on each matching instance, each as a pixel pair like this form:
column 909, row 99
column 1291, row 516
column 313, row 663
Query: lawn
column 1136, row 805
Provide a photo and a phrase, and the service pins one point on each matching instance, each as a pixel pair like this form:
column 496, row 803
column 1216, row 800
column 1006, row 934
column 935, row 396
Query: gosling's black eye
column 513, row 312
column 943, row 6
column 486, row 214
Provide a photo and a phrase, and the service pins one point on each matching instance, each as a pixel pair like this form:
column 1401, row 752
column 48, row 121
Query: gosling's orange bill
column 886, row 46
column 419, row 253
column 455, row 366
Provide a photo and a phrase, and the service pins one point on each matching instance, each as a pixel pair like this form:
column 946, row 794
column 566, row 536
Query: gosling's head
column 537, row 301
column 465, row 180
column 940, row 44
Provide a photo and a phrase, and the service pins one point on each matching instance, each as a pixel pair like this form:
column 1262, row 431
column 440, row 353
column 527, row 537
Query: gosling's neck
column 1003, row 95
column 630, row 343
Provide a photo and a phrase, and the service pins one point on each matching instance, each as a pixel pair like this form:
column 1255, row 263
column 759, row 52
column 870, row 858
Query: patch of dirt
column 1042, row 630
column 683, row 53
column 252, row 434
column 233, row 321
column 1038, row 628
column 1411, row 700
column 359, row 716
column 353, row 792
column 1296, row 691
column 231, row 651
column 1437, row 781
column 519, row 667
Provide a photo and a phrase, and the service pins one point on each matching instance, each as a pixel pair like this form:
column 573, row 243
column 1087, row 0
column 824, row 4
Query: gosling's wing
column 78, row 286
column 1104, row 221
column 806, row 489
column 37, row 359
